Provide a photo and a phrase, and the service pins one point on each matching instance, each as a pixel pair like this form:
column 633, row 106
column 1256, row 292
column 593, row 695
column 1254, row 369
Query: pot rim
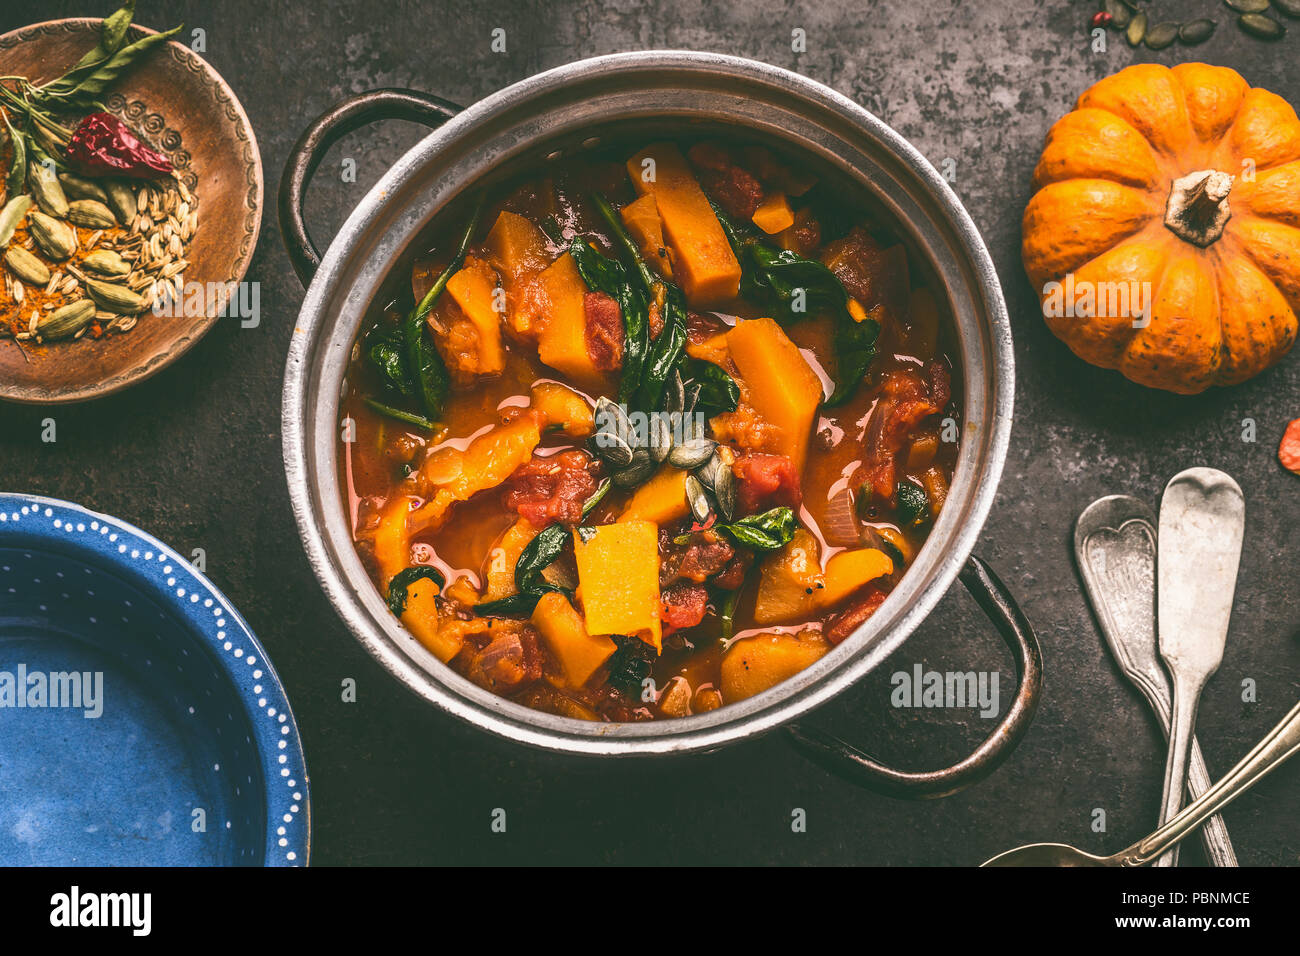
column 397, row 651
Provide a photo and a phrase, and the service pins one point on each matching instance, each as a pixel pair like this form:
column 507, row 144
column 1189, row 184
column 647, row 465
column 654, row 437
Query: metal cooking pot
column 570, row 109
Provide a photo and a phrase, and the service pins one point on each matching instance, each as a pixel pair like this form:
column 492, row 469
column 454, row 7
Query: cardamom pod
column 91, row 214
column 121, row 199
column 57, row 239
column 79, row 188
column 106, row 262
column 66, row 322
column 12, row 216
column 114, row 298
column 26, row 266
column 44, row 186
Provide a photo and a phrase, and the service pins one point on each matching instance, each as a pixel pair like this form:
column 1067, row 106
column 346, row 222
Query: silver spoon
column 1280, row 743
column 1115, row 545
column 1202, row 521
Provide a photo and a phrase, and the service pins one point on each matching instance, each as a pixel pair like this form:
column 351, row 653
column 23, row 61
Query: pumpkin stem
column 1198, row 207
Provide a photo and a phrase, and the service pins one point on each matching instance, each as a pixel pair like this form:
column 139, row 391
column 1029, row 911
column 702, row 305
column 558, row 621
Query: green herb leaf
column 666, row 351
column 855, row 350
column 397, row 587
column 762, row 532
column 18, row 161
column 913, row 504
column 71, row 93
column 630, row 664
column 718, row 391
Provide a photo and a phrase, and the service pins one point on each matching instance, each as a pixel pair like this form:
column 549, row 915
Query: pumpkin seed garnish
column 661, row 437
column 698, row 499
column 1137, row 29
column 1248, row 6
column 1196, row 31
column 66, row 322
column 1161, row 35
column 1258, row 25
column 613, row 450
column 12, row 216
column 26, row 266
column 635, row 473
column 693, row 453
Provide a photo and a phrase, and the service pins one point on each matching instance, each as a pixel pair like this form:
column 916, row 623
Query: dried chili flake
column 1288, row 453
column 102, row 145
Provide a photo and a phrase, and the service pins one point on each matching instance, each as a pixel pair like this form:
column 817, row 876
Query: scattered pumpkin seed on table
column 1137, row 29
column 1248, row 6
column 1161, row 35
column 1196, row 31
column 1289, row 8
column 1258, row 25
column 1120, row 14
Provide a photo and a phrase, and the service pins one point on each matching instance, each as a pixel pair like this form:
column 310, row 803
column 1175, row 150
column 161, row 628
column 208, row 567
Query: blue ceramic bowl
column 140, row 720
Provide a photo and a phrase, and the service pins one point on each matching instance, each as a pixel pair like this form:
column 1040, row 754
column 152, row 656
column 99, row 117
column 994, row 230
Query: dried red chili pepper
column 1288, row 453
column 102, row 145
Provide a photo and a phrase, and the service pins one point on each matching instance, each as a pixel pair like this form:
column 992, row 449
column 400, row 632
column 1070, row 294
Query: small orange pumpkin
column 1164, row 235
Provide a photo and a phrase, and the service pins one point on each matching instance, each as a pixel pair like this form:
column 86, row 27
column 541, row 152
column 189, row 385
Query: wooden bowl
column 183, row 108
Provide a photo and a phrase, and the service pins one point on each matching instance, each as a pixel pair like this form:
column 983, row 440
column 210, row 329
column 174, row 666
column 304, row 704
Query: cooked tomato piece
column 765, row 481
column 554, row 488
column 907, row 398
column 508, row 662
column 604, row 331
column 703, row 556
column 733, row 187
column 700, row 327
column 848, row 620
column 871, row 273
column 683, row 604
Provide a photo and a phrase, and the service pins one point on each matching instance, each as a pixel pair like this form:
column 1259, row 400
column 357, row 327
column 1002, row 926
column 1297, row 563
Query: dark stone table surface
column 193, row 456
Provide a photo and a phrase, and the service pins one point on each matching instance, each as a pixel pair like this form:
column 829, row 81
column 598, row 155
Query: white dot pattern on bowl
column 197, row 585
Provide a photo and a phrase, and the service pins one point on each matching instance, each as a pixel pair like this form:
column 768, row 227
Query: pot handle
column 847, row 761
column 342, row 118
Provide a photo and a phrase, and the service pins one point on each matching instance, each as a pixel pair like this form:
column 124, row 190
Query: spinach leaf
column 602, row 274
column 762, row 532
column 796, row 287
column 538, row 555
column 410, row 418
column 718, row 391
column 397, row 587
column 913, row 504
column 384, row 350
column 630, row 664
column 423, row 362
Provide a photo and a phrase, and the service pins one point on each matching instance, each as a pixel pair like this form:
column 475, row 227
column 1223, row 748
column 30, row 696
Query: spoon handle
column 1280, row 743
column 1182, row 727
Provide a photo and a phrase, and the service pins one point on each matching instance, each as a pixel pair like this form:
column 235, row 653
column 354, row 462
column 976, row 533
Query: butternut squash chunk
column 499, row 576
column 792, row 585
column 644, row 225
column 421, row 619
column 781, row 387
column 392, row 539
column 774, row 214
column 562, row 628
column 754, row 664
column 662, row 499
column 703, row 263
column 474, row 289
column 561, row 406
column 563, row 343
column 517, row 248
column 618, row 580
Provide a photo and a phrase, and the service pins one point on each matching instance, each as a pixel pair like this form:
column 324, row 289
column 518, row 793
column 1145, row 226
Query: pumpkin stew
column 650, row 431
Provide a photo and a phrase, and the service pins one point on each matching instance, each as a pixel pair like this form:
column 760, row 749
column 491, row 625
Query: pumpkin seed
column 636, row 472
column 57, row 239
column 1258, row 25
column 660, row 436
column 79, row 188
column 44, row 186
column 90, row 214
column 1119, row 12
column 12, row 216
column 1137, row 29
column 692, row 454
column 105, row 262
column 26, row 266
column 1161, row 35
column 66, row 322
column 1290, row 8
column 1196, row 31
column 675, row 394
column 612, row 449
column 121, row 199
column 114, row 298
column 1248, row 6
column 724, row 492
column 698, row 499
